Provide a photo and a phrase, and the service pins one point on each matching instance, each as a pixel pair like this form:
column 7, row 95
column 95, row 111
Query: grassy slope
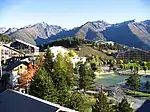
column 137, row 93
column 87, row 50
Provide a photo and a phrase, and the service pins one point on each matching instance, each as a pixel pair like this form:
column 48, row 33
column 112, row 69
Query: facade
column 7, row 52
column 59, row 49
column 25, row 47
column 134, row 54
column 14, row 70
column 108, row 42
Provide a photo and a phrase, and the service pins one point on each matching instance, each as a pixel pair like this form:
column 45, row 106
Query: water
column 114, row 80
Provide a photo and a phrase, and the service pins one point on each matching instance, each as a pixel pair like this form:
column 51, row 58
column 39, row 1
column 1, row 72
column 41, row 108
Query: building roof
column 14, row 101
column 15, row 64
column 145, row 107
column 11, row 48
column 133, row 49
column 27, row 43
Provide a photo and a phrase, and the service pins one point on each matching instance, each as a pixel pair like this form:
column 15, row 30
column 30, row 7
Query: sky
column 71, row 13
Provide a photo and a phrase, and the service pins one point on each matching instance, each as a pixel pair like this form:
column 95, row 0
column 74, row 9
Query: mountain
column 130, row 33
column 3, row 30
column 90, row 31
column 10, row 30
column 32, row 32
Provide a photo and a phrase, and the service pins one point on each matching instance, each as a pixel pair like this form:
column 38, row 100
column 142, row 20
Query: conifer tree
column 102, row 104
column 134, row 81
column 48, row 62
column 124, row 106
column 86, row 76
column 42, row 86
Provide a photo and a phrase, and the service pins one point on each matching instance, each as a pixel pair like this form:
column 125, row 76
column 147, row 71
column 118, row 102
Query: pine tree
column 147, row 86
column 48, row 62
column 102, row 104
column 124, row 106
column 70, row 76
column 59, row 73
column 134, row 81
column 42, row 86
column 86, row 76
column 63, row 78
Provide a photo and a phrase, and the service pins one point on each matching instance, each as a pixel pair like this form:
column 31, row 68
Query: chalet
column 7, row 52
column 14, row 70
column 14, row 101
column 25, row 47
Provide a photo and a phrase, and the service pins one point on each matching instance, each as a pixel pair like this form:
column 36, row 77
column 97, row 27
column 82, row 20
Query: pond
column 114, row 80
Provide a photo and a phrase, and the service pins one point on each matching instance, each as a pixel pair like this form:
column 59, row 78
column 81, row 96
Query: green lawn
column 137, row 93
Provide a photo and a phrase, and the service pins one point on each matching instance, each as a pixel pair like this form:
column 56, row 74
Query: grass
column 87, row 50
column 102, row 75
column 136, row 93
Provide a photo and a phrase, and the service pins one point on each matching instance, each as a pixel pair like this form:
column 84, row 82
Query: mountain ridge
column 131, row 33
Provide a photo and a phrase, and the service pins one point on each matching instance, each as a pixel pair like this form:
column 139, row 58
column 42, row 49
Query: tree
column 42, row 86
column 147, row 85
column 102, row 104
column 86, row 76
column 124, row 106
column 134, row 81
column 145, row 69
column 72, row 53
column 76, row 101
column 63, row 74
column 131, row 68
column 48, row 62
column 120, row 61
column 114, row 69
column 137, row 68
column 70, row 77
column 5, row 38
column 94, row 66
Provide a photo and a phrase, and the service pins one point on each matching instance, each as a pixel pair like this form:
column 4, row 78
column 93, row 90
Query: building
column 14, row 71
column 59, row 49
column 14, row 101
column 107, row 42
column 25, row 47
column 134, row 54
column 7, row 51
column 75, row 60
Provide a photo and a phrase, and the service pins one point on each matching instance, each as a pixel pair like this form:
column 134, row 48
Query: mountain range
column 130, row 33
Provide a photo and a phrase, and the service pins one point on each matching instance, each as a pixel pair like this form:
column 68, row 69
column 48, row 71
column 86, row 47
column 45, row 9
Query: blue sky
column 71, row 13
